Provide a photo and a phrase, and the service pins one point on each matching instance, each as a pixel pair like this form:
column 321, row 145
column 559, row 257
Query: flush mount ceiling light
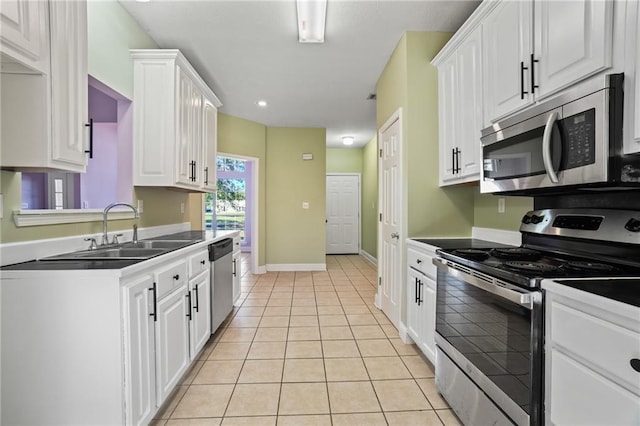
column 347, row 140
column 312, row 15
column 262, row 103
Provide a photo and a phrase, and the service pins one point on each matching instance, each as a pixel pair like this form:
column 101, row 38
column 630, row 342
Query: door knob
column 395, row 235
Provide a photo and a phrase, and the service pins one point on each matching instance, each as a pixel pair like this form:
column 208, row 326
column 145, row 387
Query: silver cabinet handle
column 395, row 235
column 546, row 147
column 520, row 297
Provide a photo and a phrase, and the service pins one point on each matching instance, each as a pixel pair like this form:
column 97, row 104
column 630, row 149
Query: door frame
column 401, row 278
column 359, row 176
column 255, row 181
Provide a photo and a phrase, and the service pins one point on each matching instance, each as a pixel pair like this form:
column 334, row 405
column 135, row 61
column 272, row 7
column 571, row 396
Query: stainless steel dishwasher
column 220, row 256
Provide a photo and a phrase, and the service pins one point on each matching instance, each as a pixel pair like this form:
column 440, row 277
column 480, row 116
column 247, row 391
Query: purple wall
column 33, row 191
column 98, row 186
column 102, row 108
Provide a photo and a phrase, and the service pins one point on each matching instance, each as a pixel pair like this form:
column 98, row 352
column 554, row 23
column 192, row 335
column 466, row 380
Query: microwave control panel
column 579, row 139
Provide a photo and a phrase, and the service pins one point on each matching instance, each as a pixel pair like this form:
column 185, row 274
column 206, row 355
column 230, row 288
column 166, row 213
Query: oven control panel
column 621, row 226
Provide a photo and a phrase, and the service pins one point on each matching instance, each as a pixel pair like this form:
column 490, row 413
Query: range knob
column 536, row 219
column 526, row 219
column 633, row 225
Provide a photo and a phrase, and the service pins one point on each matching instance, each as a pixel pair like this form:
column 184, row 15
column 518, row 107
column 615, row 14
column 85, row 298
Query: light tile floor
column 308, row 348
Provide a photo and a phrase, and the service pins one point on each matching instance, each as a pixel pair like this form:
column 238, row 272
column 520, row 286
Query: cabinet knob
column 176, row 277
column 635, row 364
column 419, row 261
column 202, row 262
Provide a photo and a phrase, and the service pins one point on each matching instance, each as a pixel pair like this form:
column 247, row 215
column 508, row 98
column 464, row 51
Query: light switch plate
column 305, row 205
column 1, row 205
column 501, row 205
column 140, row 206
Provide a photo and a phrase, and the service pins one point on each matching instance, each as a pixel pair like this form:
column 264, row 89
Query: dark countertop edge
column 458, row 243
column 110, row 265
column 628, row 294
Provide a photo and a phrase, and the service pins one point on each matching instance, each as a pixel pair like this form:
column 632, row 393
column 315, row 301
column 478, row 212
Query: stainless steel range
column 490, row 308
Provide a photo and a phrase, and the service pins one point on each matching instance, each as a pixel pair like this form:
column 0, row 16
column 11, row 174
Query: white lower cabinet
column 421, row 297
column 101, row 346
column 172, row 341
column 200, row 319
column 139, row 348
column 591, row 347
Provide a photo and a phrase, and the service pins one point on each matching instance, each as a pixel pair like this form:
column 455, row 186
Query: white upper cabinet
column 632, row 79
column 24, row 36
column 45, row 115
column 534, row 49
column 460, row 110
column 175, row 123
column 210, row 148
column 573, row 40
column 507, row 51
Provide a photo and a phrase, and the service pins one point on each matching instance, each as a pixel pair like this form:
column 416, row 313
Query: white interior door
column 343, row 214
column 390, row 248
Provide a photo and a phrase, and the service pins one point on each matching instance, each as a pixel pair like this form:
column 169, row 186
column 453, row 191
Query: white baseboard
column 24, row 251
column 284, row 267
column 370, row 258
column 261, row 270
column 501, row 236
column 404, row 335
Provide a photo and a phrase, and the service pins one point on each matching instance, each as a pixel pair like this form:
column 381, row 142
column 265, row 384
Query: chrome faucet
column 105, row 237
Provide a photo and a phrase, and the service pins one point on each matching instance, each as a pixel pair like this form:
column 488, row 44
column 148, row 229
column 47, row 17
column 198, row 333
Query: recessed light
column 262, row 103
column 347, row 140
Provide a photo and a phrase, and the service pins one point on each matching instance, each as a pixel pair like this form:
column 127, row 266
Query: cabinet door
column 23, row 33
column 196, row 143
column 633, row 35
column 573, row 39
column 237, row 273
column 507, row 46
column 413, row 310
column 469, row 104
column 139, row 357
column 69, row 100
column 428, row 313
column 184, row 142
column 200, row 323
column 209, row 145
column 172, row 342
column 447, row 92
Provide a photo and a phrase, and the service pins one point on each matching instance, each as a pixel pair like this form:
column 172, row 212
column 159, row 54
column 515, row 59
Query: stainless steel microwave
column 570, row 143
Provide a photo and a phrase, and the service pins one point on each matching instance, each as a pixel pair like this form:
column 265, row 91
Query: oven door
column 492, row 331
column 565, row 146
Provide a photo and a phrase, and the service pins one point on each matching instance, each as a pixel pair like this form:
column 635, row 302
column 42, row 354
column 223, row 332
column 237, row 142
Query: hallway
column 309, row 348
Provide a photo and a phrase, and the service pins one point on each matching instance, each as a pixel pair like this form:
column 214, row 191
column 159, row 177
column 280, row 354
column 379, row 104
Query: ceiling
column 248, row 51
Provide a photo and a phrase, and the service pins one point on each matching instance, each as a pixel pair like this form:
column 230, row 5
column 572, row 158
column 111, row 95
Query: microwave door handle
column 546, row 147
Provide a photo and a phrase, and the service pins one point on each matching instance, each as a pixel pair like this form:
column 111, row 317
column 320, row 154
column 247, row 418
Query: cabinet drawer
column 198, row 262
column 422, row 262
column 173, row 276
column 604, row 346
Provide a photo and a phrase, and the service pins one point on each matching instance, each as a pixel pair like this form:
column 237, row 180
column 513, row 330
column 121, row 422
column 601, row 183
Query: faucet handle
column 93, row 244
column 115, row 239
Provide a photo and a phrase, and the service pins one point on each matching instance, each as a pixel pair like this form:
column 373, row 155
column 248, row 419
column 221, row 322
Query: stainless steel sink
column 112, row 253
column 157, row 244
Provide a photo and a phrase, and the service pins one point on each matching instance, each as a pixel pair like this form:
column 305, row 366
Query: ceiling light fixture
column 262, row 103
column 347, row 140
column 312, row 15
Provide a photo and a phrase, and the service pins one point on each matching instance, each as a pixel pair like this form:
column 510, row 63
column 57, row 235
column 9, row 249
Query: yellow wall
column 409, row 81
column 243, row 137
column 344, row 160
column 296, row 235
column 370, row 198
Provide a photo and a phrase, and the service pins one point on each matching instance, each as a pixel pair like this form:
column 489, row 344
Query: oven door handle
column 522, row 299
column 546, row 147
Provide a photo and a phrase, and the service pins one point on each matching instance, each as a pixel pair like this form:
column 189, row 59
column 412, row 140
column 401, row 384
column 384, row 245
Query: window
column 231, row 208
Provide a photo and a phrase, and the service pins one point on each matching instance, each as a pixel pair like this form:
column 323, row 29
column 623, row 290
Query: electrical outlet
column 1, row 205
column 305, row 205
column 181, row 207
column 501, row 205
column 140, row 206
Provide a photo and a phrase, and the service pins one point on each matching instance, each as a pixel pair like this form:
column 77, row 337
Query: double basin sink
column 140, row 250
